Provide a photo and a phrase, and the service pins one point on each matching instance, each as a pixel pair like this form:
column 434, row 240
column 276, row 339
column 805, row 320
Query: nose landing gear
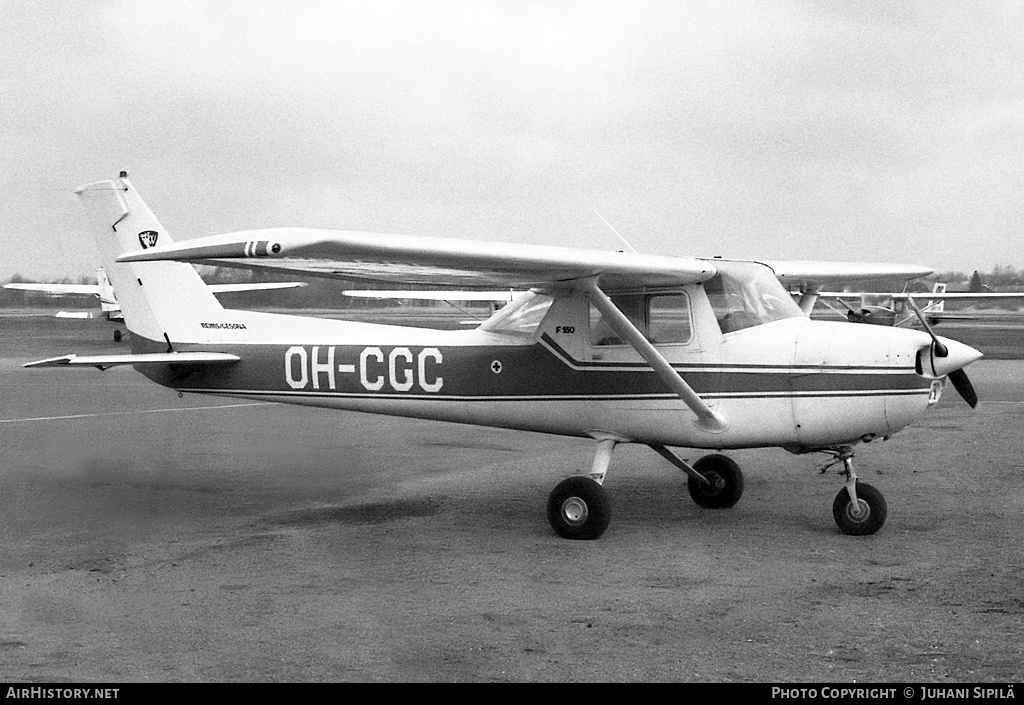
column 859, row 509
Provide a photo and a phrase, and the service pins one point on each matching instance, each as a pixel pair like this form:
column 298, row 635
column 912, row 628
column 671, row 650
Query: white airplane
column 110, row 309
column 669, row 352
column 900, row 308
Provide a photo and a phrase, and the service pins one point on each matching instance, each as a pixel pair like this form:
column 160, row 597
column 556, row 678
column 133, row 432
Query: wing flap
column 104, row 361
column 432, row 295
column 234, row 288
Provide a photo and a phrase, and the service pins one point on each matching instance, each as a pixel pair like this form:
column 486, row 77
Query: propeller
column 855, row 316
column 958, row 377
column 963, row 385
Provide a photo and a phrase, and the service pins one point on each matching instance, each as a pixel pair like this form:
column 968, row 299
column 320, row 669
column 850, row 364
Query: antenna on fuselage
column 624, row 240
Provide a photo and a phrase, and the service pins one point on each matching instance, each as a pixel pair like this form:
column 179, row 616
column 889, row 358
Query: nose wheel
column 859, row 509
column 862, row 517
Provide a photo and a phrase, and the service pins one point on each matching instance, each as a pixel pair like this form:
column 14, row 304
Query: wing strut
column 808, row 297
column 707, row 417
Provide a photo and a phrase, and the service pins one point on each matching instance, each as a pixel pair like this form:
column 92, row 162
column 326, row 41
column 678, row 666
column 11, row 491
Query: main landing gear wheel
column 578, row 508
column 724, row 486
column 117, row 336
column 864, row 519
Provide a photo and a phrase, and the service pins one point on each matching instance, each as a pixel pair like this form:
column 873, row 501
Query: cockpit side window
column 662, row 318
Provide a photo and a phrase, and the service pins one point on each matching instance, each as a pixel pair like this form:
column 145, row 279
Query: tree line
column 318, row 293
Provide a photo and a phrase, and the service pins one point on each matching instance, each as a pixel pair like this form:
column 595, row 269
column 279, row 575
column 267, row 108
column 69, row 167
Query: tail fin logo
column 147, row 238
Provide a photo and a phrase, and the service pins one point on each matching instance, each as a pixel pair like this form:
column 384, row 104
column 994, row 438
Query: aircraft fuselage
column 797, row 383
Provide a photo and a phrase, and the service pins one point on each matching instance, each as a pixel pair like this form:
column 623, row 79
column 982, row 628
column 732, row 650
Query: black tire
column 117, row 336
column 578, row 508
column 872, row 516
column 725, row 482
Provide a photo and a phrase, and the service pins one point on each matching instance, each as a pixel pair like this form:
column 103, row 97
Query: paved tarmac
column 149, row 537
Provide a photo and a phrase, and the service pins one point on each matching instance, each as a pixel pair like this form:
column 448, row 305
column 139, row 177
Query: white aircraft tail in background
column 110, row 309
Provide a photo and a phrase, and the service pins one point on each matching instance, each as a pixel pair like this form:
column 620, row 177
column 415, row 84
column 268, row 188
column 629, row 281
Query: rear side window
column 668, row 319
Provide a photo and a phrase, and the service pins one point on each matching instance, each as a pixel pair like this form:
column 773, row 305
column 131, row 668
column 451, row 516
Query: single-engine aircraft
column 110, row 309
column 904, row 307
column 670, row 352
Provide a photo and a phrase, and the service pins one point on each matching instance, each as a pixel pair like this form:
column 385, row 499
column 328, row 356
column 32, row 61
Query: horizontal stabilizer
column 102, row 362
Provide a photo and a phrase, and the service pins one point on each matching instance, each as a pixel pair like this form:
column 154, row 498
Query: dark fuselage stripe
column 553, row 397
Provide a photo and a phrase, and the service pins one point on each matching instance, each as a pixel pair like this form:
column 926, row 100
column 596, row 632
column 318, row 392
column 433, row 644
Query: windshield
column 747, row 294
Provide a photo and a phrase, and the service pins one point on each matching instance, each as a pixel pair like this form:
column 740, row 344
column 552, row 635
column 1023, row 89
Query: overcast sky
column 846, row 130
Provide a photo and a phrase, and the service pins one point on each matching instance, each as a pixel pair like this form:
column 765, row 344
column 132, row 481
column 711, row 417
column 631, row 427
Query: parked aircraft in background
column 896, row 309
column 452, row 297
column 110, row 309
column 618, row 347
column 498, row 298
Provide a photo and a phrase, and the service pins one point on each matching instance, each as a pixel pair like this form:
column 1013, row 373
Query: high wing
column 807, row 276
column 412, row 259
column 810, row 274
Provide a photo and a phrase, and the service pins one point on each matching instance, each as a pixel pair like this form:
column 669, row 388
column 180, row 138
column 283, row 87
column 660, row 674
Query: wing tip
column 51, row 361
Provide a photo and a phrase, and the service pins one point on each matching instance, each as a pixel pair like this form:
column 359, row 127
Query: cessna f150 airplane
column 110, row 310
column 617, row 347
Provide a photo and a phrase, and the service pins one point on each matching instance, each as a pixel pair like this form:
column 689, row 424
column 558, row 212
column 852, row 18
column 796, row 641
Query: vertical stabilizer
column 108, row 302
column 159, row 300
column 937, row 305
